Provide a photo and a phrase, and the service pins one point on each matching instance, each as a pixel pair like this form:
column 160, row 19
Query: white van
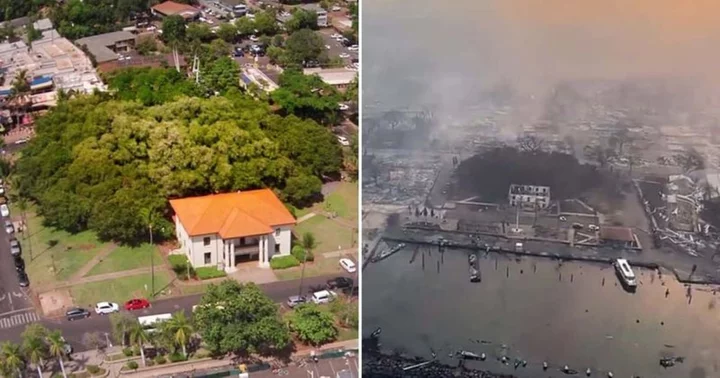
column 322, row 296
column 151, row 321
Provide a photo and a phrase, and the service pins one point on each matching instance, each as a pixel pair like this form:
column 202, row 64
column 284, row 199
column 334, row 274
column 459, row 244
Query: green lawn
column 53, row 255
column 347, row 334
column 320, row 267
column 328, row 233
column 127, row 258
column 118, row 290
column 344, row 201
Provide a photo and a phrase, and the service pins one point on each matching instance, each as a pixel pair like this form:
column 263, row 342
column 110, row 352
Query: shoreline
column 379, row 364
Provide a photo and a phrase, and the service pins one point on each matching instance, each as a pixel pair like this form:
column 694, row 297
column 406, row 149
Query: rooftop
column 333, row 76
column 50, row 56
column 617, row 234
column 232, row 215
column 98, row 45
column 43, row 25
column 170, row 8
column 259, row 78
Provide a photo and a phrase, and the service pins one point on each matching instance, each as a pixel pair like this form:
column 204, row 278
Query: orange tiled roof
column 232, row 215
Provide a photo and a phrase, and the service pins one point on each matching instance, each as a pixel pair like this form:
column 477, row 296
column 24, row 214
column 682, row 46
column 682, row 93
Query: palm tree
column 12, row 358
column 35, row 350
column 20, row 89
column 308, row 243
column 149, row 216
column 56, row 347
column 139, row 337
column 180, row 330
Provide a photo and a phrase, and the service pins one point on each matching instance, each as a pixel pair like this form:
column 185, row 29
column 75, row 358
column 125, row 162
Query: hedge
column 284, row 262
column 299, row 252
column 132, row 365
column 179, row 264
column 208, row 272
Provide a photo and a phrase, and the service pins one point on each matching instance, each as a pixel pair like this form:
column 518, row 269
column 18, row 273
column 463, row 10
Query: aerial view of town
column 540, row 189
column 179, row 188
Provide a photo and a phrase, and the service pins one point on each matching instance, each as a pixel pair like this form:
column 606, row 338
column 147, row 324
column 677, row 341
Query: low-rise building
column 322, row 14
column 619, row 237
column 340, row 78
column 224, row 230
column 253, row 75
column 109, row 46
column 532, row 196
column 171, row 8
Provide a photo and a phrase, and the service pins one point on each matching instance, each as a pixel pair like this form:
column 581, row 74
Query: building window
column 242, row 241
column 206, row 241
column 208, row 258
column 277, row 232
column 277, row 248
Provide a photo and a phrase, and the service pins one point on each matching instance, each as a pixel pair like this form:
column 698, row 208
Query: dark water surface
column 541, row 311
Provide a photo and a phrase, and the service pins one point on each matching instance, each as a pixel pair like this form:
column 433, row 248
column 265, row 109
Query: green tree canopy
column 305, row 46
column 302, row 19
column 240, row 318
column 265, row 23
column 96, row 162
column 307, row 96
column 313, row 324
column 173, row 30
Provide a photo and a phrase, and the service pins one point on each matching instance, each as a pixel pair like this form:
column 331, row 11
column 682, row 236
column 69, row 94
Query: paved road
column 12, row 296
column 74, row 331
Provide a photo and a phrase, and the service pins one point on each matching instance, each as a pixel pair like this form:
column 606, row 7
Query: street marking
column 17, row 295
column 12, row 307
column 2, row 298
column 18, row 319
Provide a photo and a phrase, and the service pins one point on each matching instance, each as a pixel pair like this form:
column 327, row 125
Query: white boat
column 623, row 269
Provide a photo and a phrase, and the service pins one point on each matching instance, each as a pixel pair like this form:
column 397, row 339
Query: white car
column 354, row 48
column 22, row 141
column 348, row 265
column 254, row 38
column 343, row 107
column 343, row 141
column 336, row 36
column 4, row 210
column 327, row 47
column 336, row 9
column 104, row 308
column 344, row 55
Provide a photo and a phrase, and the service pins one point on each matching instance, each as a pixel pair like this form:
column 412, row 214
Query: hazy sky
column 417, row 50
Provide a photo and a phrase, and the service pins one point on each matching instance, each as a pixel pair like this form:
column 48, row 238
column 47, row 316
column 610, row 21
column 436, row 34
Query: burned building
column 619, row 237
column 529, row 196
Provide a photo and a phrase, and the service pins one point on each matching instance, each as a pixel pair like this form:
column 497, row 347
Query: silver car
column 9, row 227
column 15, row 248
column 296, row 300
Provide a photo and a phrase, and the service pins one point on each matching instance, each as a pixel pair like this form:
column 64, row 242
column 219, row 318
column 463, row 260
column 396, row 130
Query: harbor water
column 539, row 310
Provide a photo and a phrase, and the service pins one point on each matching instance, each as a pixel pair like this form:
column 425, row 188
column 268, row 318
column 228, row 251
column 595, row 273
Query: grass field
column 320, row 267
column 118, row 290
column 127, row 258
column 329, row 234
column 53, row 255
column 344, row 201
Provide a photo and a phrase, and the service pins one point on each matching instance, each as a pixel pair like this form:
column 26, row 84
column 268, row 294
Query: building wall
column 283, row 238
column 199, row 249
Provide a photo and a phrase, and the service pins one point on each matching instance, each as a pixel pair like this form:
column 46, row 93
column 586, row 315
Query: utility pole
column 196, row 69
column 152, row 259
column 302, row 273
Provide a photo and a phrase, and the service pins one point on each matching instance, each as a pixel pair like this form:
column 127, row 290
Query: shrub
column 149, row 362
column 132, row 365
column 202, row 354
column 136, row 351
column 284, row 262
column 299, row 252
column 181, row 266
column 176, row 357
column 92, row 369
column 128, row 352
column 160, row 360
column 209, row 272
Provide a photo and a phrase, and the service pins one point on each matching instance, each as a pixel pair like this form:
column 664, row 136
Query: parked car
column 137, row 304
column 343, row 141
column 336, row 8
column 343, row 107
column 67, row 348
column 15, row 248
column 77, row 313
column 254, row 38
column 323, row 296
column 344, row 55
column 23, row 279
column 354, row 48
column 239, row 53
column 348, row 265
column 4, row 210
column 9, row 227
column 104, row 308
column 339, row 283
column 296, row 300
column 19, row 263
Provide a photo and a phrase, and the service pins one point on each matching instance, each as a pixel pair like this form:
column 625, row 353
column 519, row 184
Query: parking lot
column 336, row 48
column 13, row 298
column 329, row 367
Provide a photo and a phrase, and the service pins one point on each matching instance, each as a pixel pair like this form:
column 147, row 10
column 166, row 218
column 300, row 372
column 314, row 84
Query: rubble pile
column 400, row 179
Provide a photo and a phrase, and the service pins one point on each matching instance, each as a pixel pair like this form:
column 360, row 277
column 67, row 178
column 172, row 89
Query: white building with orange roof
column 224, row 230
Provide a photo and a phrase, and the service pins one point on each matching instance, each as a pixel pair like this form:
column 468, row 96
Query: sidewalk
column 92, row 357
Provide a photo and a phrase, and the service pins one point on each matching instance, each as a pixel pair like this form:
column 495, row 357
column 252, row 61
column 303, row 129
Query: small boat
column 388, row 252
column 474, row 275
column 468, row 355
column 667, row 362
column 626, row 274
column 471, row 259
column 376, row 333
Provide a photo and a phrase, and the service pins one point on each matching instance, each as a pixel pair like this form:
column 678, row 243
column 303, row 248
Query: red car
column 136, row 304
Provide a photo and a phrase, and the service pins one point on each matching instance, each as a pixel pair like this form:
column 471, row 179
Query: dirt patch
column 85, row 247
column 55, row 302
